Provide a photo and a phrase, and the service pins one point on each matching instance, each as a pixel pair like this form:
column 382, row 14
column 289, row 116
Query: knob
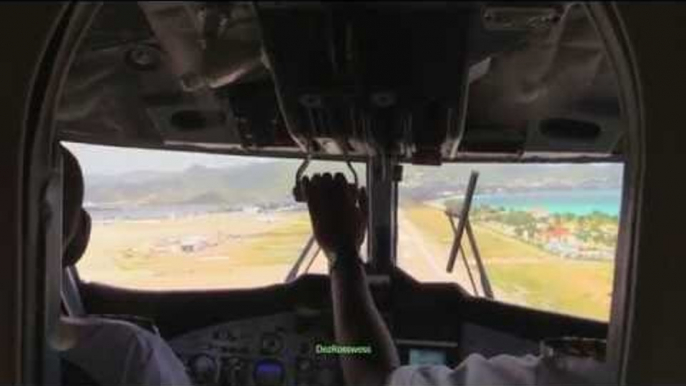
column 234, row 372
column 304, row 365
column 203, row 369
column 271, row 344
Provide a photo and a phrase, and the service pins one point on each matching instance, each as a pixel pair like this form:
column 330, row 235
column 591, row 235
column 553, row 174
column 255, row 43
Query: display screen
column 269, row 373
column 426, row 356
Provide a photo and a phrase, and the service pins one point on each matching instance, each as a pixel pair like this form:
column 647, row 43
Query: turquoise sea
column 577, row 202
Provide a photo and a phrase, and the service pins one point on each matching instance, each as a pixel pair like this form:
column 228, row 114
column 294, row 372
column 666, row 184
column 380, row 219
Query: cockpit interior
column 380, row 85
column 491, row 138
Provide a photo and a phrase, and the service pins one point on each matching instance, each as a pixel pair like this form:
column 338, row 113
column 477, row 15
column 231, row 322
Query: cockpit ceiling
column 427, row 82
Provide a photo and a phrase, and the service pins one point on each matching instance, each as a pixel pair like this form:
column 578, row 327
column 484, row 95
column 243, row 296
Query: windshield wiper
column 462, row 212
column 293, row 272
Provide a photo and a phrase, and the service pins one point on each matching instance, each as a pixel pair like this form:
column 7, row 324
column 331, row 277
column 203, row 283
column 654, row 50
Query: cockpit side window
column 544, row 235
column 166, row 220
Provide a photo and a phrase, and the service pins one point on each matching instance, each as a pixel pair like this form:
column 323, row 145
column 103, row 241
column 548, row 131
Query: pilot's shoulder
column 127, row 334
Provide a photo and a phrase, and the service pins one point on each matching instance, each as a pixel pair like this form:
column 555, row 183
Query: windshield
column 538, row 235
column 544, row 235
column 173, row 220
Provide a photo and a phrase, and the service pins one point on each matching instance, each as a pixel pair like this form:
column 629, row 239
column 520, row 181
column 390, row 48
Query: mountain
column 247, row 184
column 271, row 182
column 424, row 182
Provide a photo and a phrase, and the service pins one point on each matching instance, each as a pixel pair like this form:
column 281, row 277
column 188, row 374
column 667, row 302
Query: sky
column 107, row 160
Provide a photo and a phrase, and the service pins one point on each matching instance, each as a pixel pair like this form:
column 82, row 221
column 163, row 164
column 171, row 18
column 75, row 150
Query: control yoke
column 299, row 192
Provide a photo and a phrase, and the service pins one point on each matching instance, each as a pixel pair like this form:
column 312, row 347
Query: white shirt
column 506, row 370
column 115, row 352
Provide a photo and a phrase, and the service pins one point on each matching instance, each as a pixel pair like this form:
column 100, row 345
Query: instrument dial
column 203, row 369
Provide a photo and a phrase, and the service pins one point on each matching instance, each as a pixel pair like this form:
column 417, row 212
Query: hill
column 271, row 182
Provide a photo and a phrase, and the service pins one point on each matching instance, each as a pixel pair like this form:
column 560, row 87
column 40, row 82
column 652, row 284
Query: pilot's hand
column 338, row 212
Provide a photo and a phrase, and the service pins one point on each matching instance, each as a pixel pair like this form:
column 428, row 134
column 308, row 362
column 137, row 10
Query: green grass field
column 491, row 244
column 542, row 280
column 571, row 287
column 244, row 251
column 281, row 245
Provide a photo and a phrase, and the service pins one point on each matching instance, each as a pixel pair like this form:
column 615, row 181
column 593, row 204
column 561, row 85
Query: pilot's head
column 76, row 222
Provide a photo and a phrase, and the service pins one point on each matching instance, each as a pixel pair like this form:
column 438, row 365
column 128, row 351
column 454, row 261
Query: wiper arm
column 293, row 272
column 458, row 231
column 485, row 282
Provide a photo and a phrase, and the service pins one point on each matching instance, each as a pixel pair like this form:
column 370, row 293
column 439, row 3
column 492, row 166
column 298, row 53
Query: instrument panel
column 266, row 351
